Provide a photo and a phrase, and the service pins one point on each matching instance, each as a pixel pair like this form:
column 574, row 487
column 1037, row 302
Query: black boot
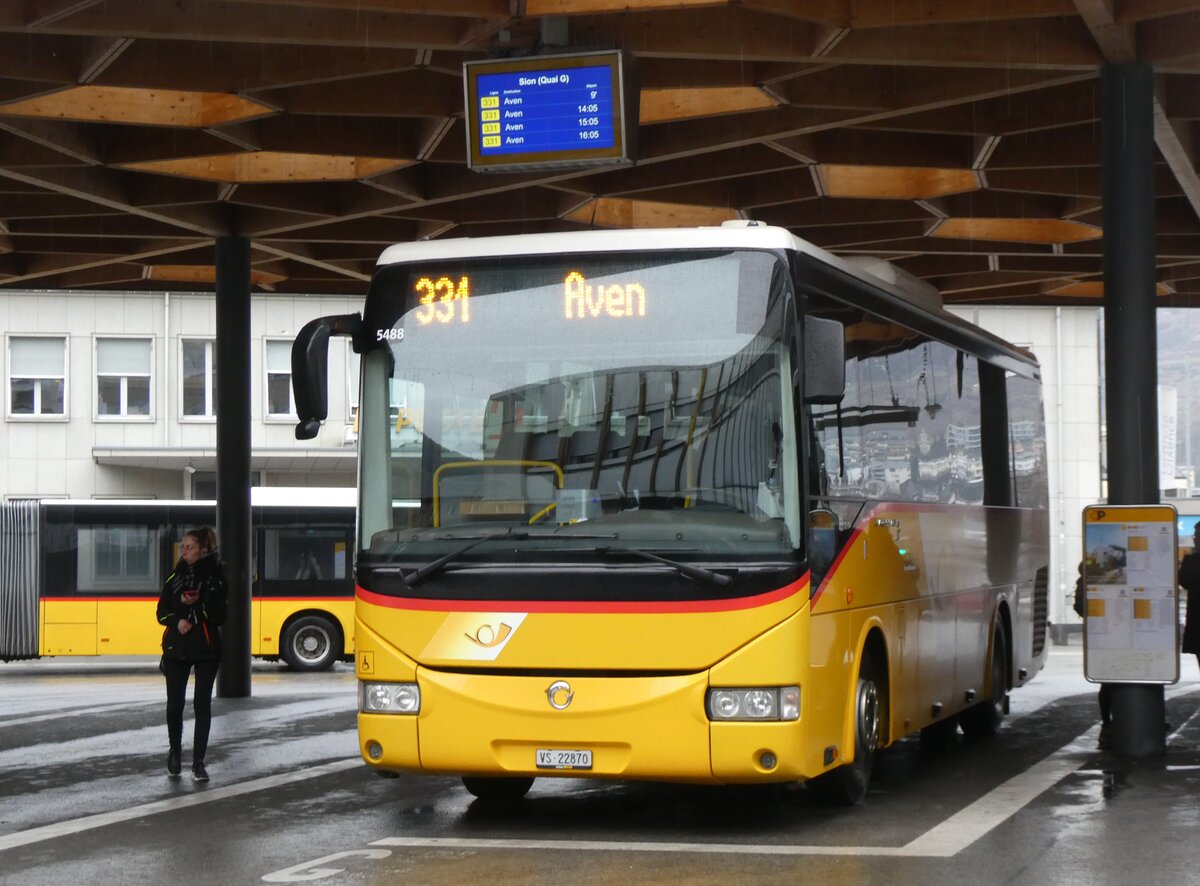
column 199, row 773
column 174, row 767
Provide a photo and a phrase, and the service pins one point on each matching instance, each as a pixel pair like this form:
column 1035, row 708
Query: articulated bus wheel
column 311, row 643
column 497, row 790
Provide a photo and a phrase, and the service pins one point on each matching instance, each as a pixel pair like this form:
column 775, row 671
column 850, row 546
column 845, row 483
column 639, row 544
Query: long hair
column 205, row 536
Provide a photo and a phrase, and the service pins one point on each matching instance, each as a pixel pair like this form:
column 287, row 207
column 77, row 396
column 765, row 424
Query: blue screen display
column 557, row 109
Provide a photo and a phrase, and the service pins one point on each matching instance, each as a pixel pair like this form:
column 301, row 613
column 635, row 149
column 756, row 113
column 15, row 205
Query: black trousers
column 176, row 673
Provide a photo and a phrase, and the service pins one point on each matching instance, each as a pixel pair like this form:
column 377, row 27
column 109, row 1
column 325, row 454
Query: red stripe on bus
column 580, row 606
column 858, row 531
column 258, row 598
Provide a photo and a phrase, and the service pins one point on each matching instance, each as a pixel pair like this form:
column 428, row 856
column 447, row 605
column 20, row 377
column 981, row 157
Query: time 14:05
column 589, row 108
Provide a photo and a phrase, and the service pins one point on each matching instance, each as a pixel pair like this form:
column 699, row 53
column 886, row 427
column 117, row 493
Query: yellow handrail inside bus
column 501, row 463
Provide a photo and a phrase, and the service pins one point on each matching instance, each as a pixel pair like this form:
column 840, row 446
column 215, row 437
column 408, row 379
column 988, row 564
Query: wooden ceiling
column 958, row 138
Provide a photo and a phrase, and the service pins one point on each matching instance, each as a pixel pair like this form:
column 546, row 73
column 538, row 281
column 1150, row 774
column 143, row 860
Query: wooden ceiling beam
column 1163, row 41
column 1040, row 44
column 675, row 73
column 44, row 205
column 744, row 35
column 500, row 9
column 121, row 226
column 859, row 238
column 897, row 13
column 245, row 67
column 297, row 253
column 39, row 267
column 863, row 147
column 102, row 275
column 691, row 136
column 359, row 137
column 418, row 93
column 203, row 21
column 1069, row 104
column 1142, row 10
column 1063, row 148
column 318, row 199
column 40, row 13
column 751, row 160
column 100, row 54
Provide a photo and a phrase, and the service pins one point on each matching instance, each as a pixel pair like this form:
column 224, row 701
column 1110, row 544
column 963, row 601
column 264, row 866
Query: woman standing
column 191, row 607
column 1189, row 578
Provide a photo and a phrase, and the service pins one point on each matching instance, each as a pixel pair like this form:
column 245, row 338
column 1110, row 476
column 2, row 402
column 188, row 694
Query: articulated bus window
column 296, row 553
column 119, row 559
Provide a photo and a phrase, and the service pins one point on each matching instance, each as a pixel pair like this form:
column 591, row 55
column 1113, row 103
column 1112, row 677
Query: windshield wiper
column 697, row 572
column 419, row 575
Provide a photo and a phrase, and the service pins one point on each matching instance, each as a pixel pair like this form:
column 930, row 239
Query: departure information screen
column 559, row 109
column 545, row 112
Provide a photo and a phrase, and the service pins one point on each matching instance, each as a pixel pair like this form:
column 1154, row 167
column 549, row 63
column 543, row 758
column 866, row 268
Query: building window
column 123, row 377
column 279, row 380
column 199, row 376
column 37, row 376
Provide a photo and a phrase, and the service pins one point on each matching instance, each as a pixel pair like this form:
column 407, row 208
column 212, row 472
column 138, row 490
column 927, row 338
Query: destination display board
column 1130, row 569
column 548, row 111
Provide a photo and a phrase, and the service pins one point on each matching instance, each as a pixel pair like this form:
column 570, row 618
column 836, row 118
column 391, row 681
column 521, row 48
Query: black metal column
column 233, row 458
column 1130, row 345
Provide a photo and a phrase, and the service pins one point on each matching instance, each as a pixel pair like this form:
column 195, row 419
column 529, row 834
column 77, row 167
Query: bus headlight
column 758, row 703
column 389, row 698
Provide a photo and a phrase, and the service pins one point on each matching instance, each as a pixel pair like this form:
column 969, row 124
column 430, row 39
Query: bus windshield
column 567, row 402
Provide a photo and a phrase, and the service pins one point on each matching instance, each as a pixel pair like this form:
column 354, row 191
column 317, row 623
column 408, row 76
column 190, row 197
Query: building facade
column 111, row 395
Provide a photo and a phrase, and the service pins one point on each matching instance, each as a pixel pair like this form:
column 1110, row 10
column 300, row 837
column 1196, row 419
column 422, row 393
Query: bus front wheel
column 847, row 785
column 311, row 643
column 497, row 790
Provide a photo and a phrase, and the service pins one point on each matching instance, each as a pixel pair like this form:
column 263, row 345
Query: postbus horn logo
column 559, row 695
column 487, row 636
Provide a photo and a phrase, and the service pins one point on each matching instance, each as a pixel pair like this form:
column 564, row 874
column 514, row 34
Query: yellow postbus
column 706, row 505
column 83, row 577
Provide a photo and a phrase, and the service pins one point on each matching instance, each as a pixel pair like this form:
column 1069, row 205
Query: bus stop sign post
column 1131, row 622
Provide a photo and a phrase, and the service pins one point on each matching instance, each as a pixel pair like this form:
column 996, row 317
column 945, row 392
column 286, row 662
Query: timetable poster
column 1131, row 626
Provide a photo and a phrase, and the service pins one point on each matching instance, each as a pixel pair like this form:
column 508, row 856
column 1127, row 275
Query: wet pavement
column 84, row 798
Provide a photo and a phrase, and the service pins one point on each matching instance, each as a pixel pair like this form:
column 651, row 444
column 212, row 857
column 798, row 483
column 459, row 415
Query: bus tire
column 497, row 790
column 311, row 643
column 983, row 720
column 847, row 785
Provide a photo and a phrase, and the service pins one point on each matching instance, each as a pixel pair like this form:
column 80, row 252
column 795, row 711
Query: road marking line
column 207, row 795
column 75, row 712
column 943, row 840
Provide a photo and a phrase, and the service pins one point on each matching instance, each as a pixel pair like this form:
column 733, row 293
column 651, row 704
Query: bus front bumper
column 632, row 728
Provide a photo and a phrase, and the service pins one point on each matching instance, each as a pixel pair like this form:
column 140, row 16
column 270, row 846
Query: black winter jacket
column 1189, row 577
column 203, row 642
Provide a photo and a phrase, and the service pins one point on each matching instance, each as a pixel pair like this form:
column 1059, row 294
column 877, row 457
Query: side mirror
column 310, row 368
column 824, row 361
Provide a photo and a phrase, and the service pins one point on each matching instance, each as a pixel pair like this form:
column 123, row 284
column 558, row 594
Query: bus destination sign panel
column 546, row 112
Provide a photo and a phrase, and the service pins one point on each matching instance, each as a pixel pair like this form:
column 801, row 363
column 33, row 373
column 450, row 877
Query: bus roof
column 737, row 234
